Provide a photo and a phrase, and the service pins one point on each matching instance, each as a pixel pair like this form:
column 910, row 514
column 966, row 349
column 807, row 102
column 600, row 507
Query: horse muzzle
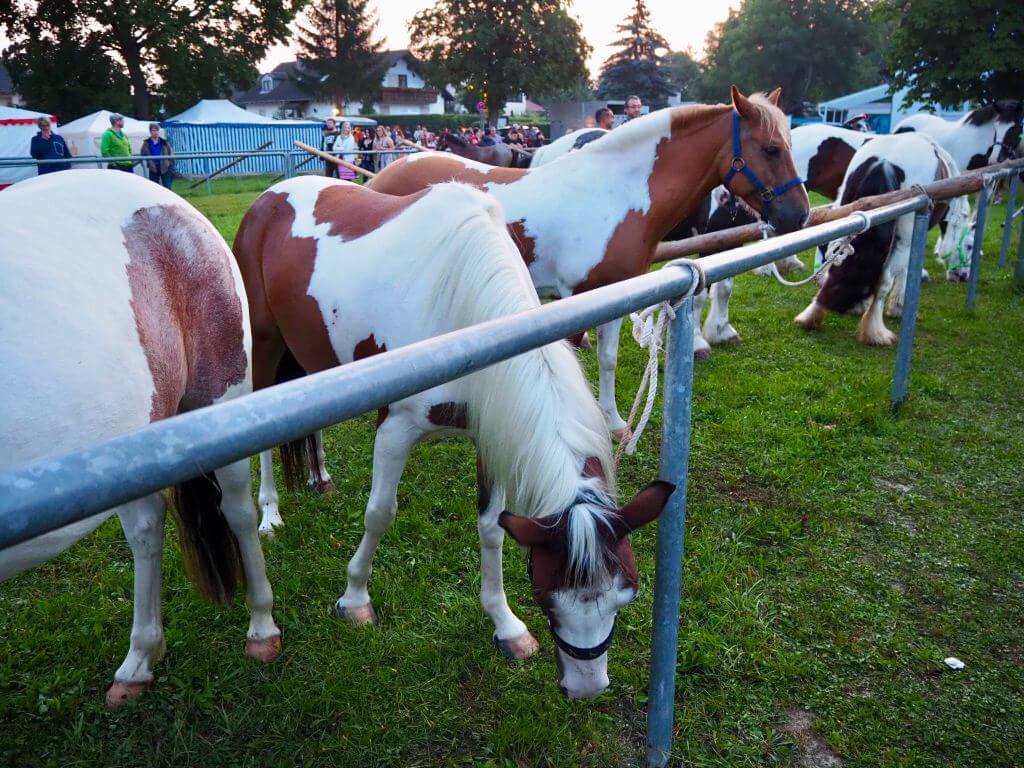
column 581, row 679
column 787, row 216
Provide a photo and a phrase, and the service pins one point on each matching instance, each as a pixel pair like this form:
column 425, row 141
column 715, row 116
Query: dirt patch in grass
column 812, row 750
column 742, row 488
column 632, row 723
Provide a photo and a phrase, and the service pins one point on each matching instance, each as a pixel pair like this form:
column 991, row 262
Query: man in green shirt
column 114, row 143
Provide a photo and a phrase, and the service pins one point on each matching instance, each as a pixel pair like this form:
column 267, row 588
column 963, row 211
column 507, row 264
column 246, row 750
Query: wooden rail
column 336, row 160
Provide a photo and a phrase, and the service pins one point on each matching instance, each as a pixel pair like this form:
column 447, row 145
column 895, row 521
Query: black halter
column 1007, row 149
column 739, row 165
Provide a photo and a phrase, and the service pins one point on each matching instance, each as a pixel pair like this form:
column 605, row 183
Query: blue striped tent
column 238, row 137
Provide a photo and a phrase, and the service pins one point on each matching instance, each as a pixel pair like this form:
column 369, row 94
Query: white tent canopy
column 83, row 135
column 207, row 111
column 17, row 127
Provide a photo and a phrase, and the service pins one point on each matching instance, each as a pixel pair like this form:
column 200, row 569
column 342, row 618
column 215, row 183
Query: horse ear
column 644, row 508
column 742, row 104
column 773, row 97
column 528, row 531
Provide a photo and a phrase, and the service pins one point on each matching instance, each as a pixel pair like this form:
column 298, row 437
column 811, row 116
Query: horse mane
column 540, row 397
column 454, row 138
column 1004, row 111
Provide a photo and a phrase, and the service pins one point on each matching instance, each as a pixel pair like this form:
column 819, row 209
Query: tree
column 182, row 48
column 636, row 68
column 498, row 48
column 814, row 49
column 951, row 51
column 683, row 72
column 341, row 58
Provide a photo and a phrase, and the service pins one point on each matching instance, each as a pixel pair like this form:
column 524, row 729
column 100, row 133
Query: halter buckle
column 738, row 164
column 767, row 195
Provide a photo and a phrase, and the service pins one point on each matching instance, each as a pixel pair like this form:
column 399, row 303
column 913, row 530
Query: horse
column 130, row 312
column 596, row 216
column 498, row 155
column 569, row 143
column 866, row 269
column 335, row 273
column 989, row 134
column 822, row 153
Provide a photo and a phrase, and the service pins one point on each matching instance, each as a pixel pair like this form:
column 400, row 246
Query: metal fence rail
column 56, row 492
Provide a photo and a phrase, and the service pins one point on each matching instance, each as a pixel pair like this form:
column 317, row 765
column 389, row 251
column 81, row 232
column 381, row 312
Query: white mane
column 534, row 417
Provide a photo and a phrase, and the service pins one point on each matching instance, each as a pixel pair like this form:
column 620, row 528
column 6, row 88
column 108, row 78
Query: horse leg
column 812, row 317
column 268, row 495
column 510, row 633
column 143, row 523
column 895, row 275
column 263, row 640
column 717, row 329
column 701, row 349
column 396, row 436
column 608, row 358
column 894, row 308
column 871, row 329
column 321, row 482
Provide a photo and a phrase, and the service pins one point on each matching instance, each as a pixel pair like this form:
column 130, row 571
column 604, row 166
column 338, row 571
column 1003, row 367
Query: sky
column 684, row 23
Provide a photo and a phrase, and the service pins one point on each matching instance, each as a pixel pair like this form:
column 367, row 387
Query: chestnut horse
column 596, row 216
column 498, row 155
column 130, row 311
column 335, row 273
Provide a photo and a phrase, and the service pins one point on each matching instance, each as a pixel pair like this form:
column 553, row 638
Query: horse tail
column 298, row 457
column 208, row 546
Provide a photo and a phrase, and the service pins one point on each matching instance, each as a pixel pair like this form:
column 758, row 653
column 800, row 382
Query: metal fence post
column 979, row 238
column 289, row 165
column 1011, row 201
column 911, row 299
column 1018, row 273
column 675, row 455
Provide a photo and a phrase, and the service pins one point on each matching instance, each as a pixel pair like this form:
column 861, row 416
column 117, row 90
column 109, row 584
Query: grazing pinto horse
column 989, row 134
column 335, row 273
column 822, row 153
column 131, row 311
column 878, row 262
column 597, row 215
column 498, row 155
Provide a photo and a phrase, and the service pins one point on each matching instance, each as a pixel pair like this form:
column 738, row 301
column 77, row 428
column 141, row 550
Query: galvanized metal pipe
column 911, row 299
column 1018, row 273
column 979, row 238
column 1011, row 202
column 677, row 404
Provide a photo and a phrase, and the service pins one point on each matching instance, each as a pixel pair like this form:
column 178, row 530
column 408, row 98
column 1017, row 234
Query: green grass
column 814, row 579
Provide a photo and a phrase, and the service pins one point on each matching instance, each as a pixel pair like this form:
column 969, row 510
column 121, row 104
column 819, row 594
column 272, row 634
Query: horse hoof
column 522, row 647
column 326, row 487
column 120, row 694
column 585, row 341
column 622, row 435
column 702, row 354
column 265, row 650
column 358, row 616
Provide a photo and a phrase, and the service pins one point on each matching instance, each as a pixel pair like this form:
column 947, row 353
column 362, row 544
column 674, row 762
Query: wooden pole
column 714, row 242
column 414, row 145
column 234, row 162
column 336, row 160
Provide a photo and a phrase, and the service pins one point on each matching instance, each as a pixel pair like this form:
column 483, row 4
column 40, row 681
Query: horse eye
column 771, row 151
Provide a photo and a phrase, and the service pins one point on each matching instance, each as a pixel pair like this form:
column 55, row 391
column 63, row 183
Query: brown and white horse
column 130, row 311
column 596, row 216
column 335, row 273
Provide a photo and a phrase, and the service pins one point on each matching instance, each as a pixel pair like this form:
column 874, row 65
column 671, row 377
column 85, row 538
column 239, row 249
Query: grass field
column 835, row 556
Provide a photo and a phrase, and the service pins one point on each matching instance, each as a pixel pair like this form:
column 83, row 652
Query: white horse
column 130, row 309
column 822, row 153
column 989, row 134
column 870, row 267
column 336, row 272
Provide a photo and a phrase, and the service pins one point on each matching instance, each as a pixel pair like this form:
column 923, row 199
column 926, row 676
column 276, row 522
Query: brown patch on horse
column 525, row 243
column 403, row 177
column 827, row 166
column 353, row 212
column 369, row 347
column 448, row 415
column 187, row 309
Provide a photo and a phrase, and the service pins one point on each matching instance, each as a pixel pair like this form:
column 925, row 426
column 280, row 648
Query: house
column 884, row 108
column 522, row 106
column 403, row 92
column 8, row 96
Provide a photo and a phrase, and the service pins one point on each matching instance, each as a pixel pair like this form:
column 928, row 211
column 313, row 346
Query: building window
column 403, row 81
column 266, row 84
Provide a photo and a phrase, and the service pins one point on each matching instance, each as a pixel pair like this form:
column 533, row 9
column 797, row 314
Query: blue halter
column 739, row 165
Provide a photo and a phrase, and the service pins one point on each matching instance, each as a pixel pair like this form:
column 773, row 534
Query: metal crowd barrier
column 58, row 491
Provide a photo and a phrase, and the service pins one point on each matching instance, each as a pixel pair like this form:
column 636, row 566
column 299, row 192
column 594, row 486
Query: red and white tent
column 17, row 127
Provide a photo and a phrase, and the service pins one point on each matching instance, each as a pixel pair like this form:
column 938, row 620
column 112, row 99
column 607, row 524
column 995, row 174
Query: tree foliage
column 683, row 72
column 951, row 51
column 177, row 49
column 636, row 67
column 498, row 48
column 341, row 56
column 814, row 49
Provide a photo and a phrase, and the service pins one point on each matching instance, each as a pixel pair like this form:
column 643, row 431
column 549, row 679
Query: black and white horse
column 989, row 134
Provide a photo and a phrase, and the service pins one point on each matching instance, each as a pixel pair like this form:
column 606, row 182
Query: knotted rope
column 649, row 327
column 836, row 253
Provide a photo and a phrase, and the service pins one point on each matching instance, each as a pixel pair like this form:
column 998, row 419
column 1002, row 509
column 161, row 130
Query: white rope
column 649, row 327
column 835, row 254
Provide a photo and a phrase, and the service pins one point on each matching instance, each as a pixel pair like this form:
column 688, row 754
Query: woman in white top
column 345, row 147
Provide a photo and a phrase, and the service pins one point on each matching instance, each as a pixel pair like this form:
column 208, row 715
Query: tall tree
column 182, row 48
column 683, row 72
column 951, row 51
column 341, row 56
column 499, row 48
column 814, row 49
column 636, row 68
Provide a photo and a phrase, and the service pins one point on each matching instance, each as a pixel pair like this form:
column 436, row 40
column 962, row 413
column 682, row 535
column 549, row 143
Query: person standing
column 634, row 107
column 345, row 147
column 327, row 142
column 604, row 118
column 382, row 143
column 160, row 170
column 47, row 145
column 114, row 143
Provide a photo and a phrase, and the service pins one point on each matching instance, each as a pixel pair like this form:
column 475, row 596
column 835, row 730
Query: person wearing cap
column 114, row 143
column 160, row 170
column 47, row 145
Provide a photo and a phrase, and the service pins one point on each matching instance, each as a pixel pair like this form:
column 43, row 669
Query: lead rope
column 836, row 253
column 649, row 333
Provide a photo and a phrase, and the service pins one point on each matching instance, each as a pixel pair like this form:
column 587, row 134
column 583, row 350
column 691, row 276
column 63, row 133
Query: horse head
column 955, row 246
column 582, row 571
column 1009, row 120
column 756, row 163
